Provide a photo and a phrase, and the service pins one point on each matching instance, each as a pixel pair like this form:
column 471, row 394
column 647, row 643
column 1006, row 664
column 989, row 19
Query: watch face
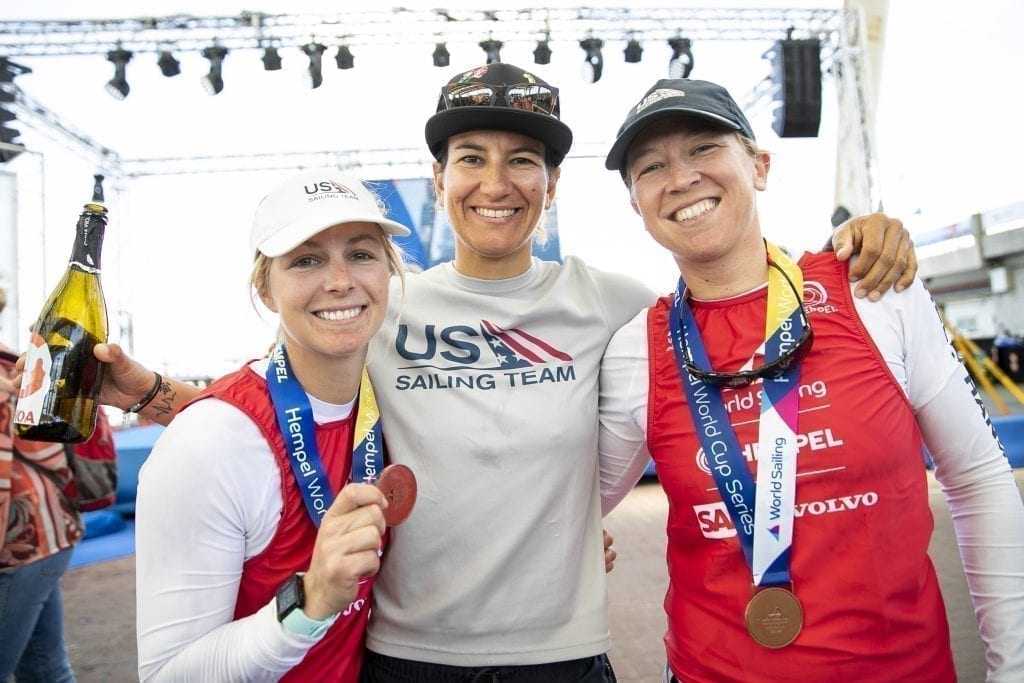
column 289, row 593
column 289, row 596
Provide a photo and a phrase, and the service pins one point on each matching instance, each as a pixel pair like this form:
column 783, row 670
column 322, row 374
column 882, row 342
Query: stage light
column 169, row 66
column 681, row 63
column 634, row 51
column 10, row 137
column 542, row 53
column 315, row 53
column 441, row 56
column 491, row 48
column 593, row 61
column 271, row 59
column 214, row 81
column 118, row 86
column 344, row 57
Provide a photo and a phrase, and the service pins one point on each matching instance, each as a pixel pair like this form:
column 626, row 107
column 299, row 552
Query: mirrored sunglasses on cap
column 541, row 99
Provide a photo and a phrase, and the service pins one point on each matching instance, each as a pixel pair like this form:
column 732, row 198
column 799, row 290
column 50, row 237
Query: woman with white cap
column 488, row 382
column 245, row 568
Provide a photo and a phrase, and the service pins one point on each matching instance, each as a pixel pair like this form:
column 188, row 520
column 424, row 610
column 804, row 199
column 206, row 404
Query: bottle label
column 35, row 383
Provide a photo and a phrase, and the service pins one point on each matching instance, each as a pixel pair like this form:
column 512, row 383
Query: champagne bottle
column 62, row 377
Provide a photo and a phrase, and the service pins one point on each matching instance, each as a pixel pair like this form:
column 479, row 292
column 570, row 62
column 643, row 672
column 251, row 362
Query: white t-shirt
column 488, row 391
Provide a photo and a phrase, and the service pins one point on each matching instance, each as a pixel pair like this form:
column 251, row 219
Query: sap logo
column 714, row 520
column 356, row 606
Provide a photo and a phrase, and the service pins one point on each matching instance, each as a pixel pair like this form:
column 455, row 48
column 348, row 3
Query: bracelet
column 144, row 401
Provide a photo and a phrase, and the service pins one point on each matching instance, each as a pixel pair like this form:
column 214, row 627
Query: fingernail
column 875, row 296
column 860, row 293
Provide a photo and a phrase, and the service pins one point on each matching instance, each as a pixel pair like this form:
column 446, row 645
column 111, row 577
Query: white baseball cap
column 310, row 202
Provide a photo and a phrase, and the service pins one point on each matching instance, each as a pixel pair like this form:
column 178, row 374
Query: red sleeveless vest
column 339, row 656
column 859, row 564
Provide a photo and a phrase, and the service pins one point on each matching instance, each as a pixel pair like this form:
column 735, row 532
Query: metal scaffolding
column 839, row 31
column 254, row 30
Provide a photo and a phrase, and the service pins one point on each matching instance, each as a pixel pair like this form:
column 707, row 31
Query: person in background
column 786, row 419
column 245, row 570
column 488, row 384
column 41, row 526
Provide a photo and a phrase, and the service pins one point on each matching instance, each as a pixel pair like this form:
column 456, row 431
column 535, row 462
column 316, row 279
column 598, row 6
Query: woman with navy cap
column 488, row 381
column 786, row 419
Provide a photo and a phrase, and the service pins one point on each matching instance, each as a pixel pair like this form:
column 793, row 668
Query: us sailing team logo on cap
column 323, row 189
column 657, row 96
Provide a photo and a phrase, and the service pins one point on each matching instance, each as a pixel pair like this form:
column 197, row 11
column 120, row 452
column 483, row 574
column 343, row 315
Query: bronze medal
column 774, row 617
column 398, row 484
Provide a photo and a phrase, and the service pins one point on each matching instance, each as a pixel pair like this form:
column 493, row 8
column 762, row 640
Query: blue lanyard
column 295, row 420
column 729, row 468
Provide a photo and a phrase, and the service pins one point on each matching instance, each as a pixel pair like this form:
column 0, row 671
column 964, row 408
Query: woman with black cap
column 786, row 418
column 486, row 376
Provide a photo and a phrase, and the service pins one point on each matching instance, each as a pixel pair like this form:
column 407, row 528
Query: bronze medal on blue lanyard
column 762, row 513
column 295, row 420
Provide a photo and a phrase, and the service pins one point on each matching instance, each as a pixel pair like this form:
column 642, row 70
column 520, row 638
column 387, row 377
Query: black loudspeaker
column 796, row 74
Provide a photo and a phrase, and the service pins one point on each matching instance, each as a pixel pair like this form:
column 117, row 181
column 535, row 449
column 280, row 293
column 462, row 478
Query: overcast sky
column 176, row 256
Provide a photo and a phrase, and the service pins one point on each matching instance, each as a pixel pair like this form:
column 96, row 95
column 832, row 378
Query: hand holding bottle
column 57, row 401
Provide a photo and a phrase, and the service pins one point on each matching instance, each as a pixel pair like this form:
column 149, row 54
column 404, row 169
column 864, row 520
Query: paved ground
column 99, row 600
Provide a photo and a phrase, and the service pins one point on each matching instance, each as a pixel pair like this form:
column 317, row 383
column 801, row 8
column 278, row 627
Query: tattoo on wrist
column 165, row 402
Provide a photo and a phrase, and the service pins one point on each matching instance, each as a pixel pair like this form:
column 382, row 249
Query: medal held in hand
column 398, row 484
column 774, row 617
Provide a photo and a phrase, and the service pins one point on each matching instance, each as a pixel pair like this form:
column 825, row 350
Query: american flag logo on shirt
column 515, row 348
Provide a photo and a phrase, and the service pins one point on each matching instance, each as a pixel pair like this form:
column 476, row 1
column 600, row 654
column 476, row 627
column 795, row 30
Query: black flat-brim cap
column 677, row 97
column 555, row 135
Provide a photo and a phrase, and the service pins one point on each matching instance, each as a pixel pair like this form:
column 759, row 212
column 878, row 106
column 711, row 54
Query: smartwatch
column 290, row 599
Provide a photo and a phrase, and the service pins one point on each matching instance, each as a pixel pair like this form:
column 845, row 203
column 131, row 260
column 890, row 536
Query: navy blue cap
column 677, row 97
